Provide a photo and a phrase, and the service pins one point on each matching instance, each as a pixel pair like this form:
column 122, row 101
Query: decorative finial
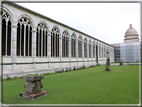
column 130, row 25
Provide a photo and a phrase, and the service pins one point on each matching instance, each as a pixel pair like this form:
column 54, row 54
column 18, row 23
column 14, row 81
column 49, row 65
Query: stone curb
column 3, row 105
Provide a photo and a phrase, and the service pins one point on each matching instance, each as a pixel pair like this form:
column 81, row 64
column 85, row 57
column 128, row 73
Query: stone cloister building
column 35, row 43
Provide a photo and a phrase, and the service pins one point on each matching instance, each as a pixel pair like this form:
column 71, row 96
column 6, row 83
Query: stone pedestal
column 121, row 63
column 33, row 96
column 33, row 85
column 108, row 63
column 108, row 68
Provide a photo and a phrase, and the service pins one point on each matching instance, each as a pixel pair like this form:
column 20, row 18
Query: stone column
column 0, row 49
column 105, row 52
column 100, row 54
column 6, row 39
column 88, row 52
column 103, row 55
column 72, row 46
column 14, row 40
column 0, row 42
column 39, row 48
column 41, row 42
column 110, row 53
column 92, row 53
column 54, row 45
column 29, row 38
column 20, row 37
column 113, row 55
column 83, row 51
column 60, row 49
column 45, row 43
column 69, row 50
column 24, row 40
column 76, row 50
column 95, row 51
column 65, row 47
column 49, row 49
column 34, row 47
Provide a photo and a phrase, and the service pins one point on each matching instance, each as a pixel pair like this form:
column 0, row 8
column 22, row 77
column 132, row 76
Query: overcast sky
column 105, row 21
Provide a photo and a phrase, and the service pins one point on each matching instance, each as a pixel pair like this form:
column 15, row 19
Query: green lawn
column 87, row 86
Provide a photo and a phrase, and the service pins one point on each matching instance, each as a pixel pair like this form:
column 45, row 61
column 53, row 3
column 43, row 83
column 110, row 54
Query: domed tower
column 131, row 35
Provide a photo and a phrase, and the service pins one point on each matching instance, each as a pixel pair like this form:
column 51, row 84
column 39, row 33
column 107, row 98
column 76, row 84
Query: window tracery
column 93, row 49
column 6, row 33
column 65, row 41
column 24, row 37
column 89, row 48
column 85, row 48
column 41, row 40
column 73, row 45
column 55, row 42
column 80, row 46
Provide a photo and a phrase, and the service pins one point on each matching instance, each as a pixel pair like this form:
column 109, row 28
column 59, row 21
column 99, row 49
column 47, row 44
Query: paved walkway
column 126, row 64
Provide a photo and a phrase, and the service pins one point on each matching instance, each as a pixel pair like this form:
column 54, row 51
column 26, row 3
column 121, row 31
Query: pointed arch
column 41, row 39
column 56, row 28
column 28, row 18
column 24, row 36
column 90, row 43
column 73, row 45
column 96, row 51
column 45, row 24
column 99, row 50
column 80, row 38
column 85, row 47
column 73, row 35
column 80, row 46
column 65, row 43
column 55, row 33
column 66, row 33
column 102, row 51
column 6, row 33
column 8, row 12
column 94, row 47
column 85, row 39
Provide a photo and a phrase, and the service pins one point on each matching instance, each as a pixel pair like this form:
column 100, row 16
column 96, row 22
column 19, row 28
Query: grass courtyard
column 86, row 86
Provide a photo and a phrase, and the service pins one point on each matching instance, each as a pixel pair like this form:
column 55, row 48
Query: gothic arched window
column 85, row 48
column 55, row 42
column 6, row 34
column 93, row 50
column 24, row 37
column 89, row 48
column 102, row 51
column 99, row 51
column 80, row 46
column 65, row 48
column 41, row 40
column 73, row 45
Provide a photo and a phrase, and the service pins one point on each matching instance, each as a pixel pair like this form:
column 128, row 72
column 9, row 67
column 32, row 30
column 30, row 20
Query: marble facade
column 58, row 46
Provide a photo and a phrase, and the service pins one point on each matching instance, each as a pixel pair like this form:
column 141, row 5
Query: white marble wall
column 13, row 62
